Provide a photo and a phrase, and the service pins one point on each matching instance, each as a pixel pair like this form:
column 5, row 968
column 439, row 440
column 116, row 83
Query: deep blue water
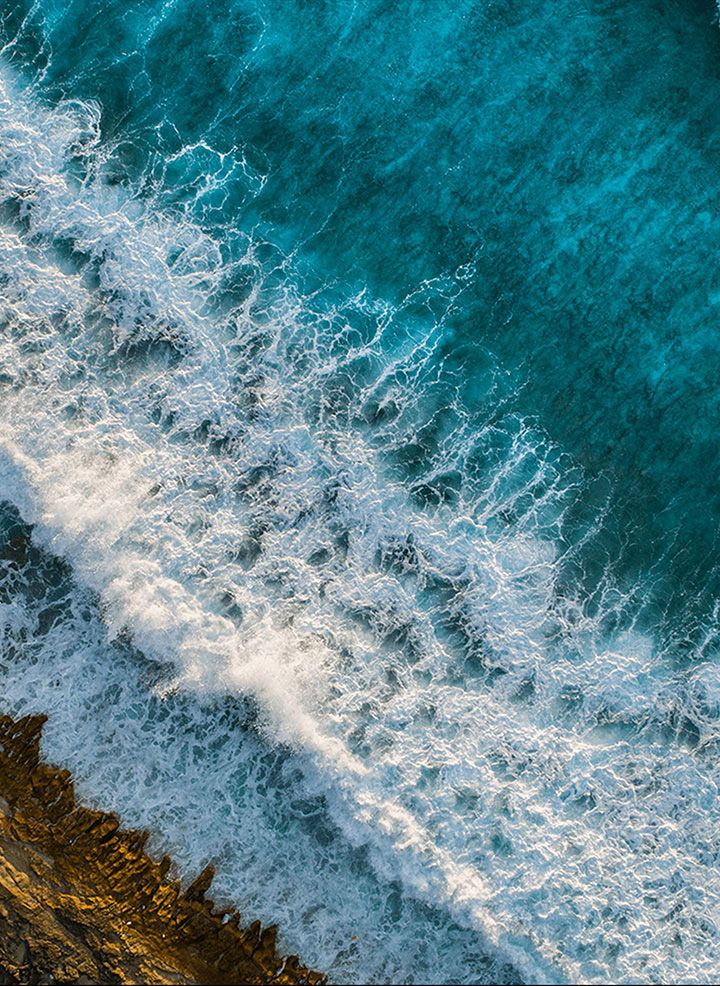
column 360, row 399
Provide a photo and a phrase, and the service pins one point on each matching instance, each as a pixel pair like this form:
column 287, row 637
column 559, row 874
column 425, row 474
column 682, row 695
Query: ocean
column 359, row 415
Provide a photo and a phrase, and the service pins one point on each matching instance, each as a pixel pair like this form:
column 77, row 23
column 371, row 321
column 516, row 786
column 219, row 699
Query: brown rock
column 80, row 900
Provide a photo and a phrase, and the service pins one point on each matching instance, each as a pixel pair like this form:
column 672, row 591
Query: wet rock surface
column 81, row 901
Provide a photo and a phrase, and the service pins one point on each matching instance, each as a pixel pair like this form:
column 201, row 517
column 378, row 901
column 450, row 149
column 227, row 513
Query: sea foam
column 313, row 627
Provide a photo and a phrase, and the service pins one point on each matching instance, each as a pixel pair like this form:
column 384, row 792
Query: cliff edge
column 81, row 901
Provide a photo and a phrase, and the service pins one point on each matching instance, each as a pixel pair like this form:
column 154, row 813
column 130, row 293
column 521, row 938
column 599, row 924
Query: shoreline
column 81, row 901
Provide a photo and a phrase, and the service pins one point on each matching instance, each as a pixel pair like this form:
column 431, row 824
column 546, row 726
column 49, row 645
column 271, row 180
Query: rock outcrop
column 82, row 902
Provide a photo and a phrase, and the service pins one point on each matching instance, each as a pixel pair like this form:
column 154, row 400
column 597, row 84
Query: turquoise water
column 359, row 401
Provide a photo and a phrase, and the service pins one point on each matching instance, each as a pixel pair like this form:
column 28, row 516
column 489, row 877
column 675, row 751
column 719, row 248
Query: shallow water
column 357, row 458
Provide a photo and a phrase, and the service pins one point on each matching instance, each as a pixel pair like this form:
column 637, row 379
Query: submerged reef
column 82, row 902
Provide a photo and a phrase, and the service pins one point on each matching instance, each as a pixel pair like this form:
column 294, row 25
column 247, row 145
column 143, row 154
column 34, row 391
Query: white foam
column 226, row 495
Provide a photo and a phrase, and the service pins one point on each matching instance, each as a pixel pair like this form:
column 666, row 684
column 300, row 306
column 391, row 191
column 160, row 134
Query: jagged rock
column 81, row 902
column 199, row 887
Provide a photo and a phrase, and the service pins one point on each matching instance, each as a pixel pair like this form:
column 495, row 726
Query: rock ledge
column 81, row 901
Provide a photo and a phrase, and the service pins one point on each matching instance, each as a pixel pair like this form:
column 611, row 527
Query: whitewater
column 296, row 605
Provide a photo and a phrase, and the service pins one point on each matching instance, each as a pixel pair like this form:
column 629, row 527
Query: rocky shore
column 81, row 901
